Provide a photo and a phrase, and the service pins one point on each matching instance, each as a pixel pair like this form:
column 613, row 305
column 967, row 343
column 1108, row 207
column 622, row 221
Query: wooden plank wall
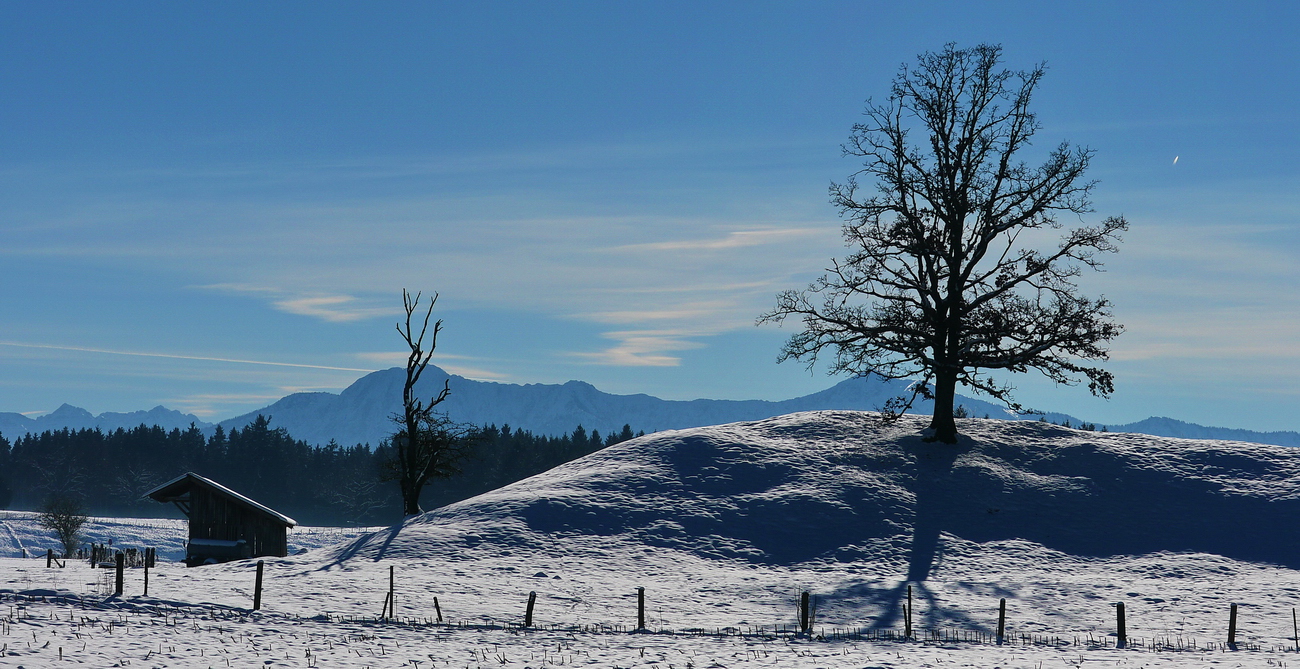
column 216, row 516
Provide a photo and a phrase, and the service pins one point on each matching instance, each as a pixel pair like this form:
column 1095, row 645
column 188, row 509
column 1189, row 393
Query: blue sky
column 209, row 207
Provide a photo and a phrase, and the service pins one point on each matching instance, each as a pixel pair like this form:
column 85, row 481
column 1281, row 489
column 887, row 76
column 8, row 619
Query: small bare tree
column 64, row 516
column 943, row 284
column 427, row 444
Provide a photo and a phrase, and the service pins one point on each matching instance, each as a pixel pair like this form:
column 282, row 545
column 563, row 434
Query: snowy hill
column 723, row 526
column 837, row 486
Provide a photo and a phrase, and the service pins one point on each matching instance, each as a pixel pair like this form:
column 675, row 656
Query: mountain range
column 361, row 413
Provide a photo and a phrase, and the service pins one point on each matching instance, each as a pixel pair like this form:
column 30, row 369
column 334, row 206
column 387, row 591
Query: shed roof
column 181, row 485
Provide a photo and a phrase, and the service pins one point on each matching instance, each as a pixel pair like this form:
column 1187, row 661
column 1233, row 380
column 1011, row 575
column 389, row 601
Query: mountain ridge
column 360, row 413
column 75, row 418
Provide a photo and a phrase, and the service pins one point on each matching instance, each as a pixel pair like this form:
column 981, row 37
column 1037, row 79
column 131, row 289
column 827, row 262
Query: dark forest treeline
column 317, row 485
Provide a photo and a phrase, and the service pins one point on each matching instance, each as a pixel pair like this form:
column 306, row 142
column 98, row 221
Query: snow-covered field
column 723, row 527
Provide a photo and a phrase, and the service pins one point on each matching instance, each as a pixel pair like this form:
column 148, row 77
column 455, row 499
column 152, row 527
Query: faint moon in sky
column 1175, row 160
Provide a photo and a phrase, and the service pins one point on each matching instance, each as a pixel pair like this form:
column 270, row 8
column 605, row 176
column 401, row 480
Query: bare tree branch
column 426, row 444
column 938, row 285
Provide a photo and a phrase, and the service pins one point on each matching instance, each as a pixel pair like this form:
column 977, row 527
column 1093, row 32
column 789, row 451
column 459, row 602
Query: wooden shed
column 224, row 525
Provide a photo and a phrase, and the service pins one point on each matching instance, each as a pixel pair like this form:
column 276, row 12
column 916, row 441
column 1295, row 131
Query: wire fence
column 106, row 613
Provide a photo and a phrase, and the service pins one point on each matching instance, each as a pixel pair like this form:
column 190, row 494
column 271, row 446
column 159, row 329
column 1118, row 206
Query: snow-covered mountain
column 361, row 413
column 14, row 425
column 1168, row 427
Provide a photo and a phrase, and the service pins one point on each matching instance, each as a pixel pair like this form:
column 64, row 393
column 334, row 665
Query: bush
column 64, row 517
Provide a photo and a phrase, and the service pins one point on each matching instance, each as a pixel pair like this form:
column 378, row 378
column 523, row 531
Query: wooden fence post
column 1295, row 627
column 907, row 615
column 257, row 588
column 437, row 609
column 1121, row 632
column 1002, row 619
column 146, row 577
column 1232, row 627
column 640, row 608
column 528, row 614
column 804, row 623
column 392, row 594
column 49, row 557
column 121, row 565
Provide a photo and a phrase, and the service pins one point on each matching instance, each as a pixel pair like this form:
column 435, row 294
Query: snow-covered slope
column 724, row 525
column 838, row 486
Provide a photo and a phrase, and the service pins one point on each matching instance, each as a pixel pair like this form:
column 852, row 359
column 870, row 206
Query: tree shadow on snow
column 889, row 603
column 934, row 462
column 1102, row 499
column 933, row 498
column 354, row 548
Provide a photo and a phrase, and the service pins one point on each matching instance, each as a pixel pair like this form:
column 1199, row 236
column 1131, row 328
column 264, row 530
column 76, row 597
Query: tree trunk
column 411, row 499
column 945, row 391
column 411, row 507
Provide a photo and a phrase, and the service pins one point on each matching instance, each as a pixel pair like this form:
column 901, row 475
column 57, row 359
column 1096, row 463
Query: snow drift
column 839, row 486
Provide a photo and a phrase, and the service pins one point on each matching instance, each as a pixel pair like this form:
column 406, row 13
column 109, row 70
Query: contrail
column 83, row 349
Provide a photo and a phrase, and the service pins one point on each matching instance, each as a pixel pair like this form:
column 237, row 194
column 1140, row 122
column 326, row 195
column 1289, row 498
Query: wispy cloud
column 685, row 314
column 399, row 358
column 749, row 286
column 476, row 373
column 249, row 288
column 641, row 348
column 208, row 406
column 1213, row 334
column 177, row 356
column 738, row 239
column 332, row 308
column 383, row 358
column 329, row 308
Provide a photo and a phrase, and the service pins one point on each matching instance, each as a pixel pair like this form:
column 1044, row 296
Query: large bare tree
column 945, row 282
column 427, row 444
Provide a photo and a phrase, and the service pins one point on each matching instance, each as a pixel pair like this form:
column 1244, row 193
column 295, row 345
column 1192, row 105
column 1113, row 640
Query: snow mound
column 839, row 486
